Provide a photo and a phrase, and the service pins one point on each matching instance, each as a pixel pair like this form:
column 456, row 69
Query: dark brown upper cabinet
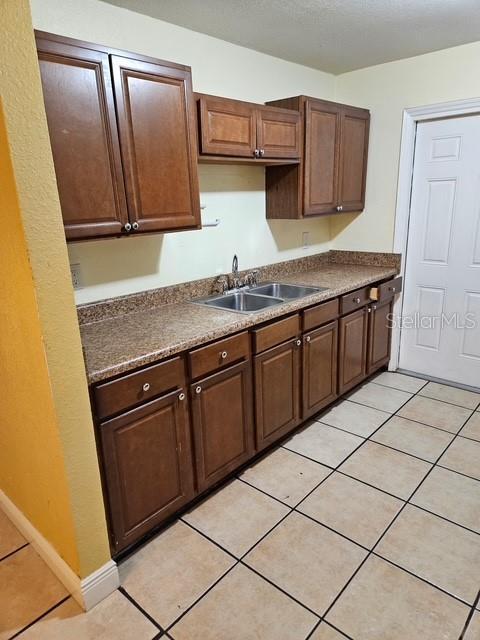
column 79, row 103
column 235, row 129
column 332, row 175
column 123, row 136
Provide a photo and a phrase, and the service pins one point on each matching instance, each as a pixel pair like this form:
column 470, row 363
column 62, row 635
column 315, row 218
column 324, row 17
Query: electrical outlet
column 305, row 239
column 76, row 276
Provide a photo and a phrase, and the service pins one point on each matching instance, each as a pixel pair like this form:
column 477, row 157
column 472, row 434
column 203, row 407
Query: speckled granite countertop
column 118, row 344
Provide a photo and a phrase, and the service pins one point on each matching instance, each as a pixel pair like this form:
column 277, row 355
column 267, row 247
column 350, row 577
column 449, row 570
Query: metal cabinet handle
column 392, row 289
column 262, row 152
column 256, row 153
column 298, row 342
column 198, row 389
column 135, row 226
column 308, row 338
column 356, row 300
column 369, row 309
column 146, row 386
column 339, row 207
column 374, row 307
column 181, row 396
column 127, row 227
column 223, row 355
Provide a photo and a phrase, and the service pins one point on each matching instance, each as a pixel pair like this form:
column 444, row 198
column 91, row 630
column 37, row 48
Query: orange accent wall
column 32, row 469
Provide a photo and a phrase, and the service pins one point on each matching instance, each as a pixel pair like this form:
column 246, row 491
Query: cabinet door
column 278, row 133
column 353, row 158
column 227, row 127
column 83, row 134
column 222, row 423
column 277, row 392
column 352, row 359
column 147, row 466
column 319, row 368
column 158, row 141
column 322, row 139
column 379, row 335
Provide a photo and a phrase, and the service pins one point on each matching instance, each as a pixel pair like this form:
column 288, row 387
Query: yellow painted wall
column 387, row 90
column 34, row 443
column 32, row 469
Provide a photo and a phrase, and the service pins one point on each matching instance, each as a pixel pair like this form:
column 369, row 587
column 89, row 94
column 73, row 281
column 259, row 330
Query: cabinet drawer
column 354, row 300
column 220, row 353
column 134, row 388
column 387, row 290
column 320, row 314
column 275, row 333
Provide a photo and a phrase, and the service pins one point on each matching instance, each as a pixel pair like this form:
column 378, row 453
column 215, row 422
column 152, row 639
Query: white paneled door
column 440, row 334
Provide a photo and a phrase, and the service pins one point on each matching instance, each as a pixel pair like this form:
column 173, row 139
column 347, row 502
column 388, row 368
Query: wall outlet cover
column 305, row 239
column 76, row 272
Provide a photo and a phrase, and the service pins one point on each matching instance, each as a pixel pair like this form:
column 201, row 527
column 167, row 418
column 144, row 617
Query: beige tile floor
column 363, row 526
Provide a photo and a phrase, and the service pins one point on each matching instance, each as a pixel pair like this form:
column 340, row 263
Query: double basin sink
column 259, row 297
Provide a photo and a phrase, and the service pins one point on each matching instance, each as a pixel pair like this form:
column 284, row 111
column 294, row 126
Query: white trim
column 100, row 584
column 405, row 174
column 87, row 592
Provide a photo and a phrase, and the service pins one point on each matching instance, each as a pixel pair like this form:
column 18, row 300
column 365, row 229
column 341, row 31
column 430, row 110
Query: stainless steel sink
column 259, row 297
column 285, row 291
column 241, row 302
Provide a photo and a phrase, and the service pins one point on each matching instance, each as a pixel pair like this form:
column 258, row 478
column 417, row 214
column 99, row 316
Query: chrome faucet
column 236, row 282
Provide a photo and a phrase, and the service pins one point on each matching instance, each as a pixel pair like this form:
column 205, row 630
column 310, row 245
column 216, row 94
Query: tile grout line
column 39, row 618
column 132, row 600
column 472, row 612
column 422, row 395
column 394, row 415
column 407, row 502
column 293, row 509
column 12, row 553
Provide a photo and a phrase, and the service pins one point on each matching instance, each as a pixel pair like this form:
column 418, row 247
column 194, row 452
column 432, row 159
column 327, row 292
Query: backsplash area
column 107, row 308
column 233, row 194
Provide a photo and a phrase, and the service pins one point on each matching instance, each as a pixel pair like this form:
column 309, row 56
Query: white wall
column 386, row 90
column 235, row 194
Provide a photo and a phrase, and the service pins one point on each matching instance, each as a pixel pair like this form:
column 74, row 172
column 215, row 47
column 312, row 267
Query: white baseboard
column 88, row 591
column 100, row 584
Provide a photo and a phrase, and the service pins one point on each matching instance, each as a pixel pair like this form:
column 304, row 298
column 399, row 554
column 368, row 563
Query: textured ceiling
column 332, row 35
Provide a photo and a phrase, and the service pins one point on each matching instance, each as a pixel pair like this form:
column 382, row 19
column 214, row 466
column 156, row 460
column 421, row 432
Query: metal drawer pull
column 181, row 396
column 298, row 342
column 198, row 390
column 308, row 338
column 223, row 355
column 392, row 289
column 356, row 300
column 146, row 386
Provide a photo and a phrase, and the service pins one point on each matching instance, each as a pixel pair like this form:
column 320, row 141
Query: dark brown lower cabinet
column 352, row 357
column 277, row 391
column 319, row 368
column 379, row 335
column 222, row 422
column 148, row 466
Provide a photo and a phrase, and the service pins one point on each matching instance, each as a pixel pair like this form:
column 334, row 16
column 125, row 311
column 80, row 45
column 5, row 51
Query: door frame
column 411, row 117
